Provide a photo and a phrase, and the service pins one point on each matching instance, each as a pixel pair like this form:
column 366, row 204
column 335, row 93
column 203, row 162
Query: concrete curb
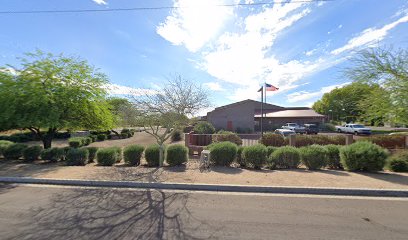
column 211, row 187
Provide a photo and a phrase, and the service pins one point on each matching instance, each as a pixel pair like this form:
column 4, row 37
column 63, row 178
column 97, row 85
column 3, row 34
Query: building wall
column 240, row 115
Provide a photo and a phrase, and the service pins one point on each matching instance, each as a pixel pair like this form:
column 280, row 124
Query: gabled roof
column 245, row 102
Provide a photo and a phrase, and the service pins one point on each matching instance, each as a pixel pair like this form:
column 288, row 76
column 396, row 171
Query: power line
column 154, row 8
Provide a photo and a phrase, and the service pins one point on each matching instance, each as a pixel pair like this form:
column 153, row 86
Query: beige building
column 246, row 115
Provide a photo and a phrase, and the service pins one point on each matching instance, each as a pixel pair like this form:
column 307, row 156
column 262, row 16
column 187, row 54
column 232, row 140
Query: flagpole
column 265, row 96
column 262, row 111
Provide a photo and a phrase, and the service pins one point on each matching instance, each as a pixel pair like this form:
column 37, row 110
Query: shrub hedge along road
column 152, row 155
column 284, row 157
column 32, row 153
column 77, row 157
column 255, row 156
column 176, row 155
column 132, row 154
column 399, row 161
column 223, row 153
column 314, row 157
column 363, row 156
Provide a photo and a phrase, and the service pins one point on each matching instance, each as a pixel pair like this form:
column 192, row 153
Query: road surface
column 51, row 212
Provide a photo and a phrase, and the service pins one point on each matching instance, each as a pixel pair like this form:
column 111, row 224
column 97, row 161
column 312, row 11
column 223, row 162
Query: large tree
column 164, row 111
column 388, row 68
column 124, row 111
column 48, row 93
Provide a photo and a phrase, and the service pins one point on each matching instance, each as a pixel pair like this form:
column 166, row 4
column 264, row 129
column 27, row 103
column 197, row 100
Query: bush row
column 29, row 136
column 277, row 140
column 360, row 156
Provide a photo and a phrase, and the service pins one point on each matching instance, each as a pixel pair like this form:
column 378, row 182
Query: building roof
column 291, row 113
column 246, row 101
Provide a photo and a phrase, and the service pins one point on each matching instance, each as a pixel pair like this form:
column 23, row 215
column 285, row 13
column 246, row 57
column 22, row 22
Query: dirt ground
column 141, row 138
column 190, row 173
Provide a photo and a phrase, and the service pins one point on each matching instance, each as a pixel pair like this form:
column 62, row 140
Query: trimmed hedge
column 333, row 156
column 14, row 151
column 363, row 156
column 386, row 141
column 226, row 136
column 92, row 153
column 307, row 140
column 32, row 153
column 270, row 150
column 53, row 154
column 118, row 153
column 76, row 142
column 255, row 156
column 239, row 158
column 132, row 154
column 101, row 137
column 176, row 136
column 399, row 161
column 313, row 157
column 152, row 155
column 77, row 157
column 284, row 157
column 107, row 156
column 204, row 128
column 176, row 155
column 3, row 145
column 223, row 153
column 272, row 139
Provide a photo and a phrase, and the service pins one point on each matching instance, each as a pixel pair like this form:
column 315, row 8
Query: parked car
column 285, row 132
column 311, row 129
column 354, row 129
column 294, row 127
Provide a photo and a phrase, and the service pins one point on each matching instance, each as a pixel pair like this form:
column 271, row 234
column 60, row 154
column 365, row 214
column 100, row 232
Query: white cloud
column 369, row 36
column 311, row 52
column 100, row 2
column 115, row 89
column 10, row 70
column 305, row 95
column 194, row 23
column 214, row 86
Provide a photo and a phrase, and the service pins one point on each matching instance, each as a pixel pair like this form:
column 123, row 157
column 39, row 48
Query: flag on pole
column 270, row 87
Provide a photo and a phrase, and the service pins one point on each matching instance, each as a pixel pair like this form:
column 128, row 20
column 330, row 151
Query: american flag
column 270, row 87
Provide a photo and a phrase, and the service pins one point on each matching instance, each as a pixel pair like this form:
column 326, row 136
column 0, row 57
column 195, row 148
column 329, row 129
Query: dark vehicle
column 311, row 129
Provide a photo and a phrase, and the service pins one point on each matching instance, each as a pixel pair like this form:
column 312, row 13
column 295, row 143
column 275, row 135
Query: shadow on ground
column 388, row 177
column 114, row 214
column 18, row 168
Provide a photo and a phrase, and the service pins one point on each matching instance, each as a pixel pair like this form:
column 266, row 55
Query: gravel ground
column 190, row 173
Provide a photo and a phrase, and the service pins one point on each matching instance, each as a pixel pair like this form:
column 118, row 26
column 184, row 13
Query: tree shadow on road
column 114, row 214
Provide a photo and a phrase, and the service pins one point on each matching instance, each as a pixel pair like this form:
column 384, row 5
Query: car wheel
column 356, row 133
column 339, row 130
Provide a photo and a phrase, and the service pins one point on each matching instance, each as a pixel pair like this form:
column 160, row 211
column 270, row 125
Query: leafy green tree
column 389, row 68
column 49, row 93
column 343, row 103
column 125, row 112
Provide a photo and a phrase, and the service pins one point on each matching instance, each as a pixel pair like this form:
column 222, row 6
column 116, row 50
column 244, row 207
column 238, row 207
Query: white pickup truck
column 294, row 127
column 356, row 129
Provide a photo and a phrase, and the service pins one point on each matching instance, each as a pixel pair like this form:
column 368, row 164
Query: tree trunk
column 47, row 138
column 161, row 154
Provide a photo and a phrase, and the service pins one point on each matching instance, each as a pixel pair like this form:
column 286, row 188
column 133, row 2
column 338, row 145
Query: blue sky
column 299, row 47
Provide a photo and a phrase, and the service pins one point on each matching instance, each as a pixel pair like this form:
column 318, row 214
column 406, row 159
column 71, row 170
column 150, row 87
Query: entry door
column 229, row 126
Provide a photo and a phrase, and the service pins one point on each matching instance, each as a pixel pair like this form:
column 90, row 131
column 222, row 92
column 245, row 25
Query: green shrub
column 272, row 139
column 3, row 145
column 333, row 156
column 313, row 157
column 32, row 153
column 176, row 136
column 327, row 127
column 240, row 160
column 386, row 141
column 14, row 151
column 76, row 142
column 363, row 156
column 223, row 153
column 22, row 137
column 93, row 137
column 124, row 135
column 270, row 150
column 101, row 137
column 284, row 157
column 204, row 128
column 92, row 153
column 65, row 149
column 86, row 141
column 118, row 153
column 226, row 136
column 176, row 155
column 77, row 157
column 398, row 162
column 307, row 140
column 107, row 156
column 53, row 154
column 132, row 154
column 152, row 155
column 255, row 155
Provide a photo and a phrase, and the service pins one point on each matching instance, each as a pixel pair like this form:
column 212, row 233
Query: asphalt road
column 49, row 212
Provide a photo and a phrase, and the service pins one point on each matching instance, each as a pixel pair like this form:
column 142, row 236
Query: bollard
column 349, row 139
column 292, row 140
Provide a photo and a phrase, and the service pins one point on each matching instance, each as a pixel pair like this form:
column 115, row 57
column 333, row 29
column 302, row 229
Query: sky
column 298, row 46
